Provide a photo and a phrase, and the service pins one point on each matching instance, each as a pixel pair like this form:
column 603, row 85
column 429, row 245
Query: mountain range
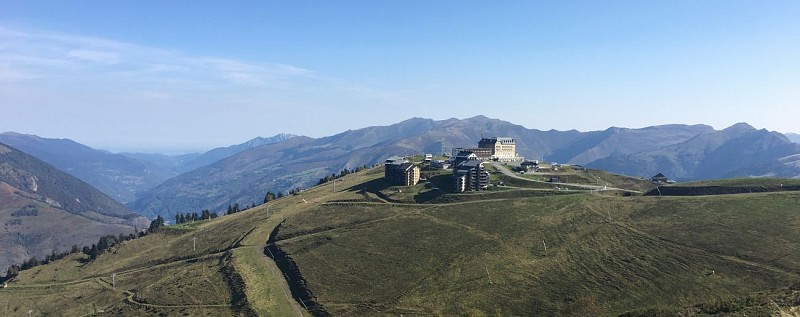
column 121, row 175
column 244, row 173
column 699, row 152
column 737, row 151
column 45, row 210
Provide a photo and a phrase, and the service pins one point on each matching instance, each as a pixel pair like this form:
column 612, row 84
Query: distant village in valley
column 467, row 164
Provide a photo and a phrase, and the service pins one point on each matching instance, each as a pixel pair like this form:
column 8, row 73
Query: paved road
column 509, row 173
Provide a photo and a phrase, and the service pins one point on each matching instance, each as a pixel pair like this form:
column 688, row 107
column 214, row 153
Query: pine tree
column 155, row 224
column 12, row 271
column 269, row 197
column 93, row 252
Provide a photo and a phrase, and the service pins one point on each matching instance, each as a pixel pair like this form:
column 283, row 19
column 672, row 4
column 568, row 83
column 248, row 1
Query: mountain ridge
column 41, row 207
column 121, row 175
column 278, row 168
column 219, row 153
column 243, row 173
column 737, row 151
column 117, row 175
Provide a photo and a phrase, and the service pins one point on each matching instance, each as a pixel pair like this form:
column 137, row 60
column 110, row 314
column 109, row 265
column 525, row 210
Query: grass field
column 739, row 182
column 367, row 248
column 727, row 187
column 177, row 271
column 546, row 255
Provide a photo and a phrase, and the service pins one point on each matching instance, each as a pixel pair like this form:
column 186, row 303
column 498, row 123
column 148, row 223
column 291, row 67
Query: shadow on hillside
column 435, row 187
column 374, row 186
column 298, row 285
column 444, row 182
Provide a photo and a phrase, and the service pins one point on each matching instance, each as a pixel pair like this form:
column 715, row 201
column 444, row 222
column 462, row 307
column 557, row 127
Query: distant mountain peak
column 739, row 127
column 280, row 137
column 224, row 152
column 415, row 119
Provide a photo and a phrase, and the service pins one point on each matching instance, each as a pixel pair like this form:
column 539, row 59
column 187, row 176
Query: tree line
column 103, row 244
column 270, row 196
column 191, row 217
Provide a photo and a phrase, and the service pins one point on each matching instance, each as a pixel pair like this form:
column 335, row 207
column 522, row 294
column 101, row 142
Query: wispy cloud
column 9, row 74
column 99, row 84
column 26, row 55
column 95, row 56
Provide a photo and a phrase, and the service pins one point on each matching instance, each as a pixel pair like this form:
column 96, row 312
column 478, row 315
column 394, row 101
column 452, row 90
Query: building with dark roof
column 482, row 154
column 661, row 179
column 502, row 149
column 400, row 172
column 462, row 157
column 470, row 175
column 529, row 166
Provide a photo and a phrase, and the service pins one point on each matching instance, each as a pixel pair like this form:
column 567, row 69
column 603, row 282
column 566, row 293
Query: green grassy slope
column 31, row 227
column 160, row 273
column 727, row 186
column 489, row 257
column 500, row 252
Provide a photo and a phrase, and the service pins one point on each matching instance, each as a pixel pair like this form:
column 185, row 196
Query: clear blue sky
column 191, row 75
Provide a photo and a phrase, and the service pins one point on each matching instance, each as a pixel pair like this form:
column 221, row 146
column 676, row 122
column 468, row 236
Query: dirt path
column 279, row 278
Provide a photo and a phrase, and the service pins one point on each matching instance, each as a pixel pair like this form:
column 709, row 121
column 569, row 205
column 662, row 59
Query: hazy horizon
column 151, row 76
column 146, row 148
